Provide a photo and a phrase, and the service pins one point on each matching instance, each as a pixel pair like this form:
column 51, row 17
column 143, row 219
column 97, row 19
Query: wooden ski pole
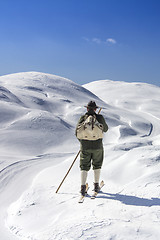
column 68, row 171
column 71, row 165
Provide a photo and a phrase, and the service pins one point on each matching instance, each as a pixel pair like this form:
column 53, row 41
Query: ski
column 81, row 200
column 94, row 195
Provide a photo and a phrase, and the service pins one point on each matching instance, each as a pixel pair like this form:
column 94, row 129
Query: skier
column 91, row 150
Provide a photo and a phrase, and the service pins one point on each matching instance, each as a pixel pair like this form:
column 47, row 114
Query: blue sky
column 84, row 40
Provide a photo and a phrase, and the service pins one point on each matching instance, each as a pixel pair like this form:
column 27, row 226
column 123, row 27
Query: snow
column 38, row 115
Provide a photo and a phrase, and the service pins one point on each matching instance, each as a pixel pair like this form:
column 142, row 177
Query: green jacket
column 95, row 144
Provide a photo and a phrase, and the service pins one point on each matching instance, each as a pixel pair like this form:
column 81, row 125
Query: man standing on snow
column 91, row 150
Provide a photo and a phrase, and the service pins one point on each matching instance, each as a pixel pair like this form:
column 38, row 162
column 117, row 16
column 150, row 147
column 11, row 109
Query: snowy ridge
column 38, row 117
column 32, row 101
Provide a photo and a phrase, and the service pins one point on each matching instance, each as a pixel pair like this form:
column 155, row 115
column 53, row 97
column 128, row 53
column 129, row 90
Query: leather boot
column 96, row 187
column 83, row 190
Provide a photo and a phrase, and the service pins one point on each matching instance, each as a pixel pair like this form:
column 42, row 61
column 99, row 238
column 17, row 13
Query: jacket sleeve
column 102, row 121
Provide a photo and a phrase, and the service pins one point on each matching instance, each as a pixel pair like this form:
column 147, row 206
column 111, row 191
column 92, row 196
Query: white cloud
column 86, row 39
column 100, row 41
column 96, row 40
column 111, row 40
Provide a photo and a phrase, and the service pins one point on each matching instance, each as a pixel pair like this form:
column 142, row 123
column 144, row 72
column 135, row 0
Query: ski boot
column 96, row 187
column 83, row 190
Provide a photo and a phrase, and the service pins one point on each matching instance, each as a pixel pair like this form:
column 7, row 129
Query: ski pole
column 68, row 171
column 71, row 165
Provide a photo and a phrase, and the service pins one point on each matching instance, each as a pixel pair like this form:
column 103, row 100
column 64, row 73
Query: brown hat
column 92, row 105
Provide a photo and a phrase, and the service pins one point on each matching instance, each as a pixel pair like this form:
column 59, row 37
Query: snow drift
column 38, row 114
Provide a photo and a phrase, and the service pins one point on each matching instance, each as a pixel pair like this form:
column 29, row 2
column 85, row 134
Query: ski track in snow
column 38, row 145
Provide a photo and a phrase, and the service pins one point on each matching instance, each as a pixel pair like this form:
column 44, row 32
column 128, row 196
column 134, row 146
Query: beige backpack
column 90, row 129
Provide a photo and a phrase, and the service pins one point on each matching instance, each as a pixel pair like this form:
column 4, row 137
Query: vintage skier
column 89, row 132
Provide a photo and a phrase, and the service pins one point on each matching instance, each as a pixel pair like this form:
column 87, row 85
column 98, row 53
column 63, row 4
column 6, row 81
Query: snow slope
column 37, row 146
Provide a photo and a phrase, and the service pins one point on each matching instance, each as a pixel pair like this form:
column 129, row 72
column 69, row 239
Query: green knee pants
column 88, row 157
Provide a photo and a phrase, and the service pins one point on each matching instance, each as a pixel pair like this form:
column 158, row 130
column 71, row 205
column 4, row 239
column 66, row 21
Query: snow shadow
column 131, row 200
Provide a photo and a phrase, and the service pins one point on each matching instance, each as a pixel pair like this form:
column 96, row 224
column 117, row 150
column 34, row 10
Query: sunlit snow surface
column 38, row 115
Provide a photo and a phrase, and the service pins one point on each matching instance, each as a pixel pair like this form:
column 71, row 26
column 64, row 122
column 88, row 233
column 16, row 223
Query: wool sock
column 97, row 175
column 83, row 177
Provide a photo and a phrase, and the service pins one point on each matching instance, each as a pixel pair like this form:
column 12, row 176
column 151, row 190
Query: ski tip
column 102, row 182
column 81, row 199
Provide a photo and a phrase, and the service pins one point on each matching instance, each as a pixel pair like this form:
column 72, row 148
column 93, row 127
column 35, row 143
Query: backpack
column 90, row 129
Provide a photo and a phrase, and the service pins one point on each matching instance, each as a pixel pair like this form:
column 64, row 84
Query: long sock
column 97, row 175
column 83, row 177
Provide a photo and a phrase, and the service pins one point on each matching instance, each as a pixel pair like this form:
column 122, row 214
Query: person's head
column 91, row 106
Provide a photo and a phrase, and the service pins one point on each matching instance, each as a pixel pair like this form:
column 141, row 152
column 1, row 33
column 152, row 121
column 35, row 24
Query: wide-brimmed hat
column 92, row 105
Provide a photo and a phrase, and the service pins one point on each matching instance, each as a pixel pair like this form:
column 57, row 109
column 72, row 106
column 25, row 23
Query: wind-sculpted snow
column 38, row 115
column 8, row 96
column 44, row 89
